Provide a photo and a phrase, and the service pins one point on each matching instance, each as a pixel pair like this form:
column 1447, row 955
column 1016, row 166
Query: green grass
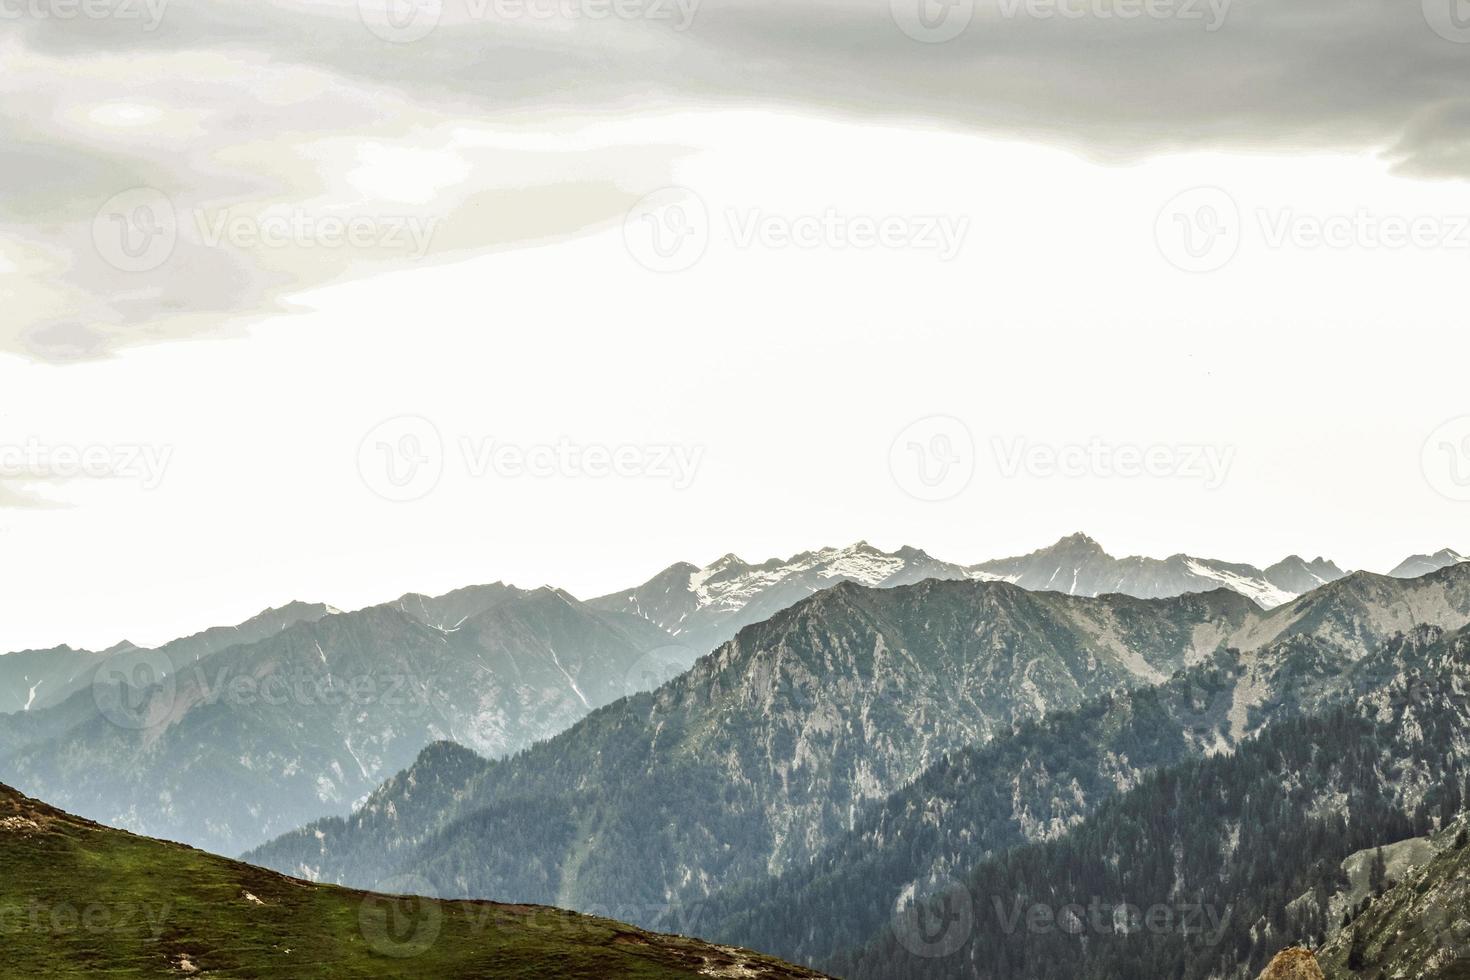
column 81, row 900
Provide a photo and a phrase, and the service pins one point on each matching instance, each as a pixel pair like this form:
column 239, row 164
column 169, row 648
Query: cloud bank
column 173, row 169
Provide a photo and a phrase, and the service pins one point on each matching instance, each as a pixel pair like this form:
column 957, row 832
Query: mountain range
column 767, row 747
column 706, row 751
column 702, row 607
column 755, row 764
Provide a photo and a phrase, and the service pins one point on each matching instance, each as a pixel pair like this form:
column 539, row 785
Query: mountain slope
column 765, row 750
column 1034, row 785
column 1419, row 928
column 81, row 900
column 239, row 746
column 1228, row 841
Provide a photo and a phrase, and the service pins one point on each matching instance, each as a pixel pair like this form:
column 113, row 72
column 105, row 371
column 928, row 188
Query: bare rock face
column 1293, row 964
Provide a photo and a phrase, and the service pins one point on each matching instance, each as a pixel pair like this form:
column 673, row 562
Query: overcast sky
column 332, row 301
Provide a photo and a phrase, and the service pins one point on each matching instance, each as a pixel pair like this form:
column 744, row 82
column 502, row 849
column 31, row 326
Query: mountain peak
column 1416, row 565
column 1077, row 542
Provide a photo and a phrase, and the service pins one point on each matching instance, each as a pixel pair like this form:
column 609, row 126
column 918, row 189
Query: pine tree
column 1378, row 873
column 1357, row 953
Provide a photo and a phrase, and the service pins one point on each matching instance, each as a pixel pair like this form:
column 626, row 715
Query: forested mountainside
column 1220, row 850
column 1037, row 784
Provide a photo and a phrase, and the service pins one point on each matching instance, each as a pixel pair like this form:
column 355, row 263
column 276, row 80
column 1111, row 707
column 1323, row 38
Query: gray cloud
column 264, row 108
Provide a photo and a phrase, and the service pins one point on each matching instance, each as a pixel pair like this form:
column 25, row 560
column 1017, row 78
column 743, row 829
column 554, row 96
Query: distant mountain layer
column 703, row 607
column 81, row 900
column 1424, row 564
column 33, row 680
column 227, row 749
column 1078, row 565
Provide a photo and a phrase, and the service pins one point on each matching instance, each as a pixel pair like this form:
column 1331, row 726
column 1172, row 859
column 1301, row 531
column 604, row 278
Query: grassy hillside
column 78, row 899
